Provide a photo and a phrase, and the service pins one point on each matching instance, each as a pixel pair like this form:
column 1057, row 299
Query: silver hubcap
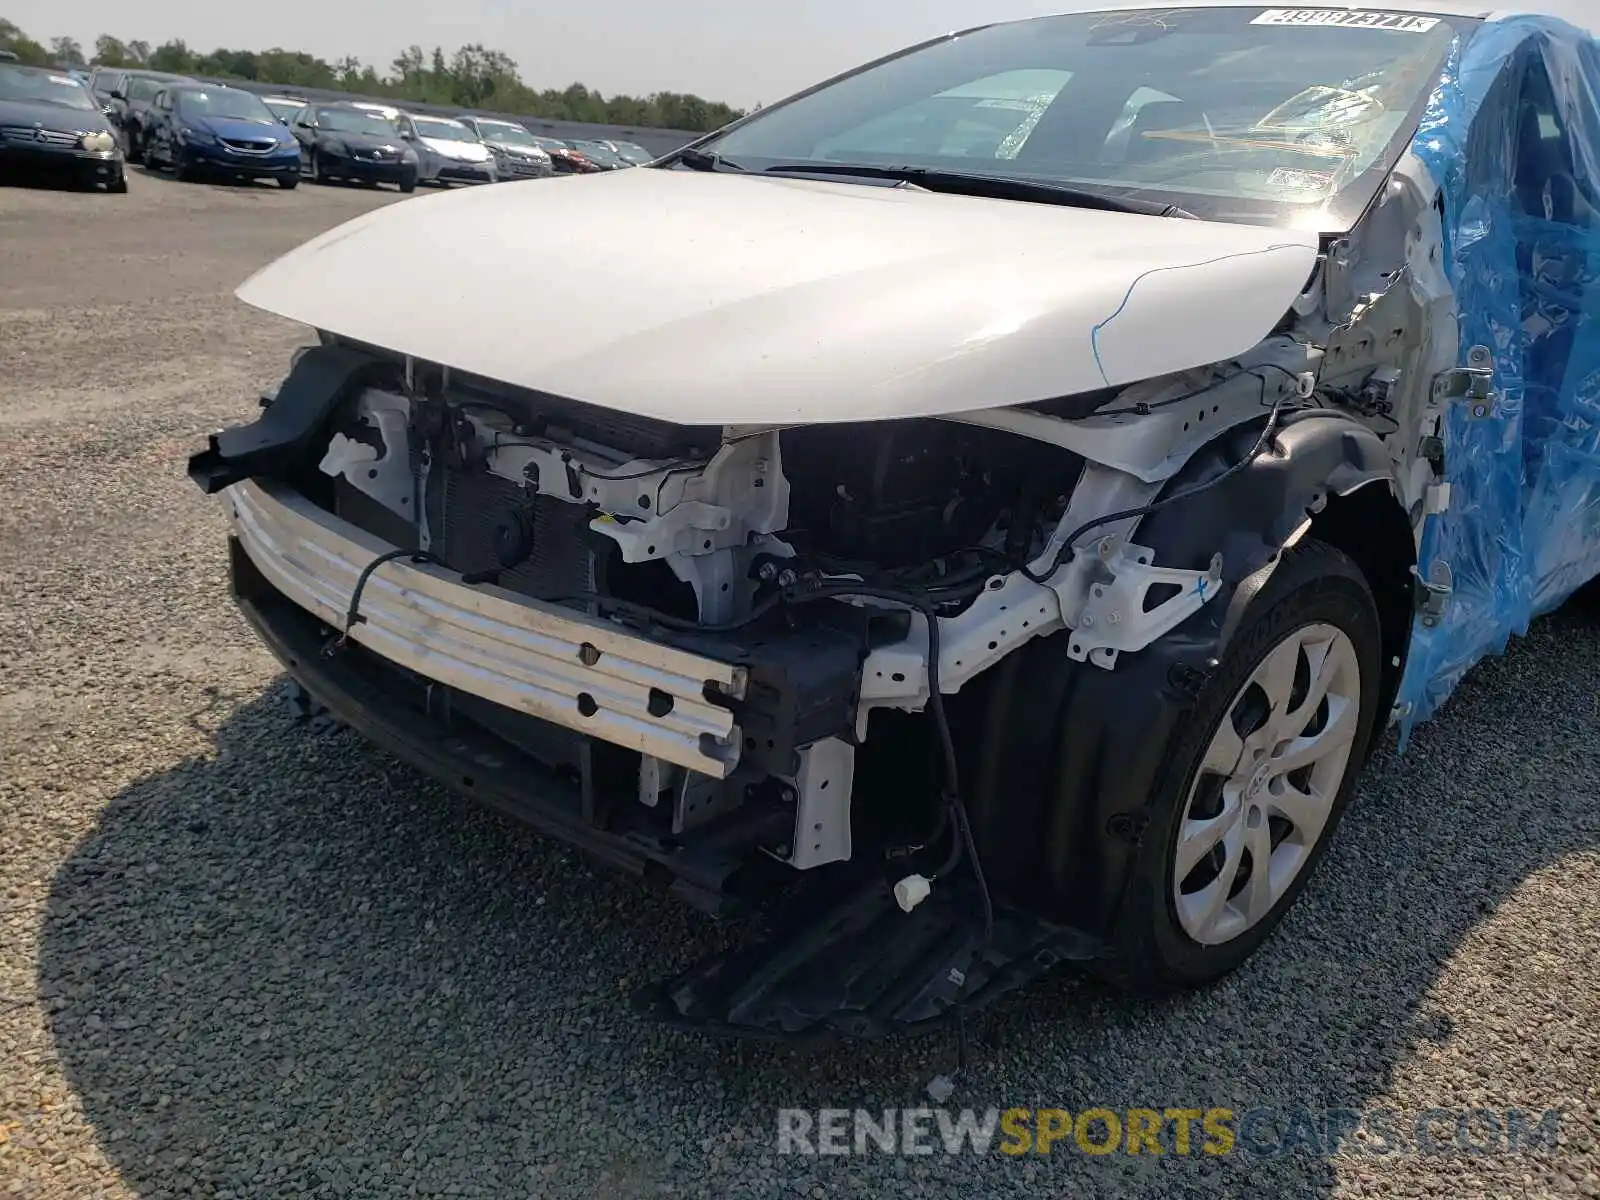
column 1261, row 798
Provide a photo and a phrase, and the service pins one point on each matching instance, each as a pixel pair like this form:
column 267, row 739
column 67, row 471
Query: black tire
column 181, row 170
column 1314, row 583
column 288, row 182
column 135, row 149
column 408, row 185
column 118, row 186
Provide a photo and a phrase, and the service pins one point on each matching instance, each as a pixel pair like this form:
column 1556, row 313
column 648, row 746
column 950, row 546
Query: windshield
column 224, row 103
column 632, row 153
column 1275, row 116
column 444, row 131
column 23, row 83
column 142, row 89
column 504, row 131
column 350, row 120
column 284, row 108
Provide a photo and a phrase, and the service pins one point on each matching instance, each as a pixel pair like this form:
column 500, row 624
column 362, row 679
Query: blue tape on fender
column 1522, row 532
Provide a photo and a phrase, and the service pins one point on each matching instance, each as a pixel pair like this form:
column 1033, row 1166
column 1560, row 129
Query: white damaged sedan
column 977, row 509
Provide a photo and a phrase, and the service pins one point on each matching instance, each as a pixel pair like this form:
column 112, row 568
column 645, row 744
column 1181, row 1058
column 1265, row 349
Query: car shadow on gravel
column 232, row 183
column 48, row 183
column 291, row 965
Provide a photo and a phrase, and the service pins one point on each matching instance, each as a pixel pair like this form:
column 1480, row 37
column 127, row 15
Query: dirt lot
column 240, row 960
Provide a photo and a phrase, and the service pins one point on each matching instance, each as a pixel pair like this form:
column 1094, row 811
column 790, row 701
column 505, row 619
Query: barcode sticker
column 1344, row 18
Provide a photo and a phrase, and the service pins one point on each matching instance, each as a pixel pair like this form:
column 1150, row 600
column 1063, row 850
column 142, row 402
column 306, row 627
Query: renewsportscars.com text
column 1259, row 1132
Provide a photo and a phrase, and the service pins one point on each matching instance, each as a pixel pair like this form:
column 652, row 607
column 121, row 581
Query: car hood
column 756, row 300
column 53, row 116
column 233, row 127
column 517, row 151
column 366, row 141
column 466, row 151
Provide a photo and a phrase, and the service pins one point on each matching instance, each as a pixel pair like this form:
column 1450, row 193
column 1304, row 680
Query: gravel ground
column 240, row 960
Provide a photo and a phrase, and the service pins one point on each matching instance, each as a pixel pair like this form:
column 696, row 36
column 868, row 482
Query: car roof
column 1579, row 12
column 28, row 68
column 194, row 85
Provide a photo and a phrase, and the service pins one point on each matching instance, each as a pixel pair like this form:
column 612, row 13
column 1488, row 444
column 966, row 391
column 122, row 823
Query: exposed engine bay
column 860, row 537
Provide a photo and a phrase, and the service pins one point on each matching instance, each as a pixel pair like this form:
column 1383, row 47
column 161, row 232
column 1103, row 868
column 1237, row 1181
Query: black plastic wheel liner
column 861, row 968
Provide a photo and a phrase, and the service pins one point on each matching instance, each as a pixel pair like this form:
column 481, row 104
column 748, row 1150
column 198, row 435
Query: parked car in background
column 285, row 108
column 517, row 155
column 566, row 158
column 102, row 82
column 130, row 107
column 387, row 111
column 50, row 125
column 630, row 152
column 447, row 151
column 196, row 129
column 601, row 155
column 8, row 56
column 352, row 143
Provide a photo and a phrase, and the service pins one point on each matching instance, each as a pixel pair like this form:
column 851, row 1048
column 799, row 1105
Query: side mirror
column 118, row 94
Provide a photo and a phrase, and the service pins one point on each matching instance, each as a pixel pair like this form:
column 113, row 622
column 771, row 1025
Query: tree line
column 473, row 76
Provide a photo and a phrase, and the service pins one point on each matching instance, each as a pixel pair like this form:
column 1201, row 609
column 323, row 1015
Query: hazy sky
column 741, row 51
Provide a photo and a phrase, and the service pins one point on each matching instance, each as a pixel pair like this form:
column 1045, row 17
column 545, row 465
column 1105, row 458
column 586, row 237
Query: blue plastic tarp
column 1518, row 165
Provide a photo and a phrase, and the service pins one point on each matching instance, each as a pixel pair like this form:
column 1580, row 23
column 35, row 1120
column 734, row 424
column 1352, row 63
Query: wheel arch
column 1371, row 526
column 1108, row 732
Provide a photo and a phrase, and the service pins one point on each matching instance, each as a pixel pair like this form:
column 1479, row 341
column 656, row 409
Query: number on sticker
column 1344, row 18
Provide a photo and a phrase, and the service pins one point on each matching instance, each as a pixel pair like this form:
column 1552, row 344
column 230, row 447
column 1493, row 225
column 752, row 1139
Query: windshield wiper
column 996, row 187
column 706, row 160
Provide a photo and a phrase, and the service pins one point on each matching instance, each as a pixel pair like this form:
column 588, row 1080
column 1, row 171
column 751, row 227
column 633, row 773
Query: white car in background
column 387, row 111
column 517, row 155
column 448, row 151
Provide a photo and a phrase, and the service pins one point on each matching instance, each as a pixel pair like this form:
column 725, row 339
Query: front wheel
column 181, row 169
column 408, row 184
column 1259, row 777
column 288, row 182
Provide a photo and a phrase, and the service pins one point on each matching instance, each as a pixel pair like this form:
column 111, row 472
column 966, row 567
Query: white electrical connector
column 912, row 891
